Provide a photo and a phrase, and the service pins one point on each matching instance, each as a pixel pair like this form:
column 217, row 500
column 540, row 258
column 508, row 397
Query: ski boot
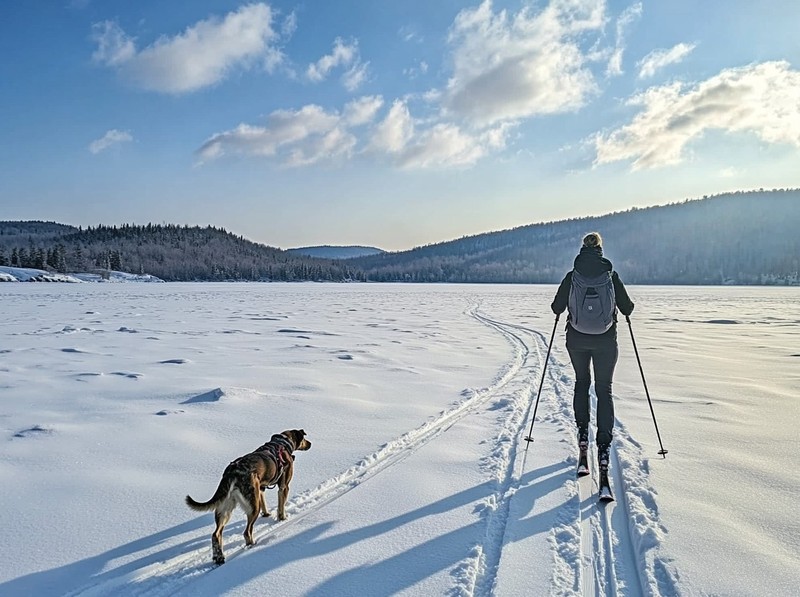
column 603, row 454
column 583, row 454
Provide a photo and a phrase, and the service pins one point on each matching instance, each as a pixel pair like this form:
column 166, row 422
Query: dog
column 243, row 481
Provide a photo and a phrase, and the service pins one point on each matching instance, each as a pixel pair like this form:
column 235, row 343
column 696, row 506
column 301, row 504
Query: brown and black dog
column 245, row 478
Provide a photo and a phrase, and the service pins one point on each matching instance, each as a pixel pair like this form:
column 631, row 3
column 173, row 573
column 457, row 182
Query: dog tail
column 220, row 494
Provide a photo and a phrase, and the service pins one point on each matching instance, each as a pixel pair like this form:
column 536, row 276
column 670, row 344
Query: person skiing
column 593, row 292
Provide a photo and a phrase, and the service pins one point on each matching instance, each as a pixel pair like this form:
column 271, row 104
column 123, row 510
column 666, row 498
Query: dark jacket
column 590, row 262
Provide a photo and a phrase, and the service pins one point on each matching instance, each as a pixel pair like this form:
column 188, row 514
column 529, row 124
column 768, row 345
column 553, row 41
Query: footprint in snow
column 127, row 374
column 212, row 396
column 33, row 431
column 174, row 362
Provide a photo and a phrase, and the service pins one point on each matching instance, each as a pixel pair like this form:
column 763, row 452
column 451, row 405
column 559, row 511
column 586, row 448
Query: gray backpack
column 592, row 303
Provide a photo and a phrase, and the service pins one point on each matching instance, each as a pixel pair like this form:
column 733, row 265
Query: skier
column 593, row 292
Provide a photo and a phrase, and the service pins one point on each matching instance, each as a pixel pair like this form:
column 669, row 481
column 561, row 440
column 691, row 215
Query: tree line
column 734, row 238
column 170, row 252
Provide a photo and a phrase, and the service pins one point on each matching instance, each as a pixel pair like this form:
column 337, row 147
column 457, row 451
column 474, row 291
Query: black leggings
column 601, row 351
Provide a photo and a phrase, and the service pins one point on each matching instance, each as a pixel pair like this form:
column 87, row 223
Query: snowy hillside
column 120, row 399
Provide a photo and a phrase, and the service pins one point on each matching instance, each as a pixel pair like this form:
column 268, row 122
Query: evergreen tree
column 114, row 261
column 61, row 258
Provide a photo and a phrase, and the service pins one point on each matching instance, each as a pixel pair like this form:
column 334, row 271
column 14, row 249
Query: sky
column 117, row 401
column 389, row 124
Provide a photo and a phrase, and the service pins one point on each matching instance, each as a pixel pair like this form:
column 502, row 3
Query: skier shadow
column 61, row 580
column 404, row 569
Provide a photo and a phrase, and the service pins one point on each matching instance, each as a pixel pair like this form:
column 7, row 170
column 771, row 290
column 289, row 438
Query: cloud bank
column 203, row 55
column 505, row 68
column 758, row 99
column 510, row 67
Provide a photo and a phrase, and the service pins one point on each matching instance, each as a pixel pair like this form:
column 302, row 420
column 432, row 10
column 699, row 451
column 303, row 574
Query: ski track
column 486, row 558
column 607, row 562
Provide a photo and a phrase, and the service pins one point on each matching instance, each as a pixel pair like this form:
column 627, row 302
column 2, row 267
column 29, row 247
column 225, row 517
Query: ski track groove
column 606, row 535
column 489, row 553
column 173, row 575
column 609, row 565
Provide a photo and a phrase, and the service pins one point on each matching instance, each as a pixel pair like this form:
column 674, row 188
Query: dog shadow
column 72, row 576
column 405, row 569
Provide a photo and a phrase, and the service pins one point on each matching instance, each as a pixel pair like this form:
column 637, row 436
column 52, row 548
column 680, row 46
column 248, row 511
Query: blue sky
column 392, row 124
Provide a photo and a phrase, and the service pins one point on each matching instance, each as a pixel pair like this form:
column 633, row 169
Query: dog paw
column 219, row 561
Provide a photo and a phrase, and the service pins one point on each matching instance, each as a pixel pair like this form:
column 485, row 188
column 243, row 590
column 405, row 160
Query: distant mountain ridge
column 336, row 252
column 734, row 238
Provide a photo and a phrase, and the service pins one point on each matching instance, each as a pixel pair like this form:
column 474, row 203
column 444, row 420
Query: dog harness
column 280, row 449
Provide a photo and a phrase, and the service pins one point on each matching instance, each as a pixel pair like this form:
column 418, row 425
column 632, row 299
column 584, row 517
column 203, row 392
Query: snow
column 120, row 399
column 23, row 274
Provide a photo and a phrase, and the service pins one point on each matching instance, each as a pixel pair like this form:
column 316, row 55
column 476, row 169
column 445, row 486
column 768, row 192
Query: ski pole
column 529, row 437
column 662, row 452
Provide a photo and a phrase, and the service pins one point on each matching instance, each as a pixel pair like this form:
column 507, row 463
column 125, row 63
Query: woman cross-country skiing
column 593, row 292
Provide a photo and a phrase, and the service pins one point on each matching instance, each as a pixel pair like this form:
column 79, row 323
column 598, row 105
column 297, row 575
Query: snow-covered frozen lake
column 116, row 400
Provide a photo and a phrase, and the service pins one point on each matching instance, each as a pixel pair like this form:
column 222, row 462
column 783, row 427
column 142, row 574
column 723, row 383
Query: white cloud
column 112, row 137
column 509, row 67
column 442, row 145
column 312, row 135
column 355, row 76
column 342, row 55
column 362, row 110
column 299, row 137
column 202, row 55
column 336, row 143
column 628, row 17
column 395, row 131
column 114, row 47
column 658, row 59
column 446, row 145
column 759, row 99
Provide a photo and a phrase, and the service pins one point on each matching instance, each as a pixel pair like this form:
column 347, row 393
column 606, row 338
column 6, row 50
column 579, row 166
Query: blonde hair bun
column 593, row 239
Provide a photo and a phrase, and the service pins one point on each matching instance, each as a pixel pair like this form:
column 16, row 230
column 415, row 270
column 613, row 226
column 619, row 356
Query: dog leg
column 283, row 493
column 221, row 516
column 252, row 498
column 248, row 529
column 264, row 508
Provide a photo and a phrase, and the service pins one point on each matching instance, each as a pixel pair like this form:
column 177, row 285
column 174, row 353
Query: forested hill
column 177, row 253
column 739, row 238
